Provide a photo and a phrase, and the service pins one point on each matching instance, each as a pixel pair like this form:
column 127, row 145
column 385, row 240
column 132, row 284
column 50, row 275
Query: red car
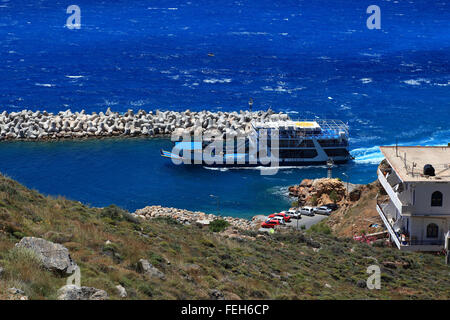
column 270, row 224
column 285, row 217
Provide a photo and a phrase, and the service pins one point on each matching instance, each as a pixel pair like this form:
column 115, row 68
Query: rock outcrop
column 73, row 292
column 54, row 256
column 318, row 191
column 149, row 270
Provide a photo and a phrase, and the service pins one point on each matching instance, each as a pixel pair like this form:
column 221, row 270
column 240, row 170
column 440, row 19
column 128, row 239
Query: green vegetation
column 314, row 201
column 218, row 225
column 107, row 244
column 334, row 196
column 320, row 227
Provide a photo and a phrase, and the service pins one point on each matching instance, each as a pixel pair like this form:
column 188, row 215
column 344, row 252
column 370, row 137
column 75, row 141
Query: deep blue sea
column 309, row 58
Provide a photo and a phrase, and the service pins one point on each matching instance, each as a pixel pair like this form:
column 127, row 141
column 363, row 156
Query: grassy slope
column 195, row 260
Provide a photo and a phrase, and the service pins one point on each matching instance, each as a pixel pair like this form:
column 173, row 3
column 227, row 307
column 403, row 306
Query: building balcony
column 388, row 182
column 406, row 244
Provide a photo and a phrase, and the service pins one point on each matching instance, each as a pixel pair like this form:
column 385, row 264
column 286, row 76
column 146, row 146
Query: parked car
column 332, row 206
column 307, row 211
column 294, row 213
column 322, row 210
column 270, row 223
column 285, row 216
column 279, row 218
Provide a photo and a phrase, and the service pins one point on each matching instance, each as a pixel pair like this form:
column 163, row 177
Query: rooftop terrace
column 408, row 162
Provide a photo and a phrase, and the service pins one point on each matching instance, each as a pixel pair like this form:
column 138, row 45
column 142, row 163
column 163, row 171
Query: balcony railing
column 388, row 225
column 402, row 208
column 408, row 242
column 436, row 242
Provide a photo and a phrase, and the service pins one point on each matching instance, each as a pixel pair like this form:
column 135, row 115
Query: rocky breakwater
column 191, row 217
column 42, row 125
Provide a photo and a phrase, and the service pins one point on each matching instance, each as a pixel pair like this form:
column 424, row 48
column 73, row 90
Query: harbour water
column 307, row 58
column 130, row 173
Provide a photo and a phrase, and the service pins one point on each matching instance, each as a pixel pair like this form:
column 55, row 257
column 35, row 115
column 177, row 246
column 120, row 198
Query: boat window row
column 308, row 153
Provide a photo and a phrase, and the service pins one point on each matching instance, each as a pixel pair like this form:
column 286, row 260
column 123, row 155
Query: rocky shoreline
column 193, row 217
column 323, row 191
column 42, row 125
column 309, row 192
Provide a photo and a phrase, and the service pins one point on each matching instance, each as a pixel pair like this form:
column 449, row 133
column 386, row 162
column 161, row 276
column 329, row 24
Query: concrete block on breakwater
column 42, row 125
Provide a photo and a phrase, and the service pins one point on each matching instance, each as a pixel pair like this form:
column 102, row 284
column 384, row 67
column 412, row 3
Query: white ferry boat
column 287, row 143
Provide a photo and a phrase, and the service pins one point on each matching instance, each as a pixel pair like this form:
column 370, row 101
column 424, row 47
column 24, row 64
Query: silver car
column 307, row 211
column 323, row 210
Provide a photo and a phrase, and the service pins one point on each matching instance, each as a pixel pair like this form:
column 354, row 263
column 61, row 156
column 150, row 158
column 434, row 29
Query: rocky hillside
column 122, row 256
column 356, row 214
column 359, row 216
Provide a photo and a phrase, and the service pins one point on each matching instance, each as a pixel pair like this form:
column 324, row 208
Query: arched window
column 432, row 230
column 436, row 199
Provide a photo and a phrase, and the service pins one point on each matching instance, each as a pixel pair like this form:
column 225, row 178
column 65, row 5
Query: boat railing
column 327, row 127
column 327, row 124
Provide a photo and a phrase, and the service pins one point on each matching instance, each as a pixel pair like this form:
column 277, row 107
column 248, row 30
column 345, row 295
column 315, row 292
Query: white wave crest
column 370, row 155
column 416, row 82
column 47, row 85
column 217, row 80
column 373, row 155
column 365, row 80
column 216, row 169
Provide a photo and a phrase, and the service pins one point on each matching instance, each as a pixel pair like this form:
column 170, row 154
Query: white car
column 281, row 219
column 323, row 210
column 294, row 213
column 307, row 211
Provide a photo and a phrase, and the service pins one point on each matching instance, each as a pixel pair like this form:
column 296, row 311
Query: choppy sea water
column 308, row 58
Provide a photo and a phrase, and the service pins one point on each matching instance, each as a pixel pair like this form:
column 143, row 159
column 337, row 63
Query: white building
column 416, row 211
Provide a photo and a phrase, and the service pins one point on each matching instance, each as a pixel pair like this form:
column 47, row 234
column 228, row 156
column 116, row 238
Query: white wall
column 423, row 191
column 418, row 226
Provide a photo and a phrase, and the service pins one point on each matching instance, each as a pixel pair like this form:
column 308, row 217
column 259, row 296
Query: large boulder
column 326, row 186
column 73, row 292
column 306, row 183
column 293, row 191
column 149, row 270
column 54, row 257
column 318, row 191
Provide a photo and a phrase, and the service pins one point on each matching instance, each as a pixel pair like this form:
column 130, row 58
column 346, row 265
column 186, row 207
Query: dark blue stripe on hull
column 281, row 164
